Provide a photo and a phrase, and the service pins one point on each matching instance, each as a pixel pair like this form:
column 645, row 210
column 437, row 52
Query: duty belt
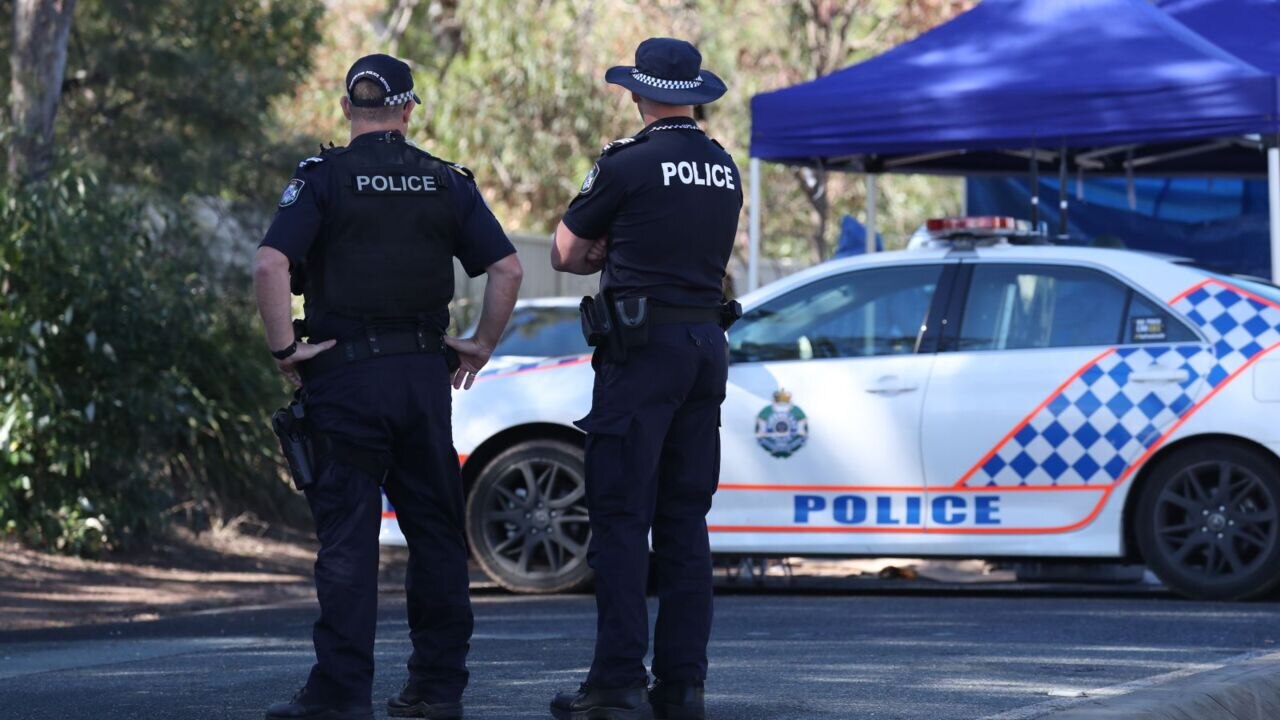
column 674, row 315
column 371, row 345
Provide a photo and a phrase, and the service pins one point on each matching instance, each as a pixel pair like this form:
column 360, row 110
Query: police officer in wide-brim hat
column 370, row 233
column 657, row 215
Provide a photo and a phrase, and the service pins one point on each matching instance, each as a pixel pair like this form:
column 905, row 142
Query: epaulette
column 717, row 143
column 320, row 157
column 621, row 143
column 461, row 170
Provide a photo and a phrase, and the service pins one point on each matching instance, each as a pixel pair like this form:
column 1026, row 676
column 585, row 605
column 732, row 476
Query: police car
column 540, row 328
column 977, row 396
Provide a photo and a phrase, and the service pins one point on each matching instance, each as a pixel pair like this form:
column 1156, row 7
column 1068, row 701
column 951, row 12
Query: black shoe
column 411, row 703
column 677, row 702
column 302, row 707
column 602, row 704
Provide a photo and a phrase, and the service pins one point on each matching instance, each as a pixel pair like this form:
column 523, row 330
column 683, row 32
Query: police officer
column 659, row 213
column 374, row 227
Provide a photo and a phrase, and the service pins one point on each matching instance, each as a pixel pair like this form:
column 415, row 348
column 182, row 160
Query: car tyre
column 1208, row 521
column 527, row 518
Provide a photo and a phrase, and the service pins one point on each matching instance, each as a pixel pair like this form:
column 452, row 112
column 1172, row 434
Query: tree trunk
column 814, row 181
column 37, row 61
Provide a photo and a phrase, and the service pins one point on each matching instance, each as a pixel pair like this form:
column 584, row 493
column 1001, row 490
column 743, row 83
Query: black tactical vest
column 385, row 253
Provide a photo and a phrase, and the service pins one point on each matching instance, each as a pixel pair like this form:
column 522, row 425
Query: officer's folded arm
column 500, row 292
column 578, row 255
column 271, row 288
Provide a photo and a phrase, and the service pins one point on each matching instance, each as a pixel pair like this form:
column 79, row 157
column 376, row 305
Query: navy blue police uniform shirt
column 668, row 199
column 309, row 194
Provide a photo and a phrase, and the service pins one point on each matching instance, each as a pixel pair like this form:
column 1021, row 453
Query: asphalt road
column 940, row 654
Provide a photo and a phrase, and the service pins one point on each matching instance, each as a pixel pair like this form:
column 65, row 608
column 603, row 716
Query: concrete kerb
column 1246, row 687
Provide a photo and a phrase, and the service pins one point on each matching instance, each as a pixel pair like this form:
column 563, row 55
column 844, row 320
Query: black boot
column 602, row 704
column 412, row 703
column 304, row 707
column 677, row 702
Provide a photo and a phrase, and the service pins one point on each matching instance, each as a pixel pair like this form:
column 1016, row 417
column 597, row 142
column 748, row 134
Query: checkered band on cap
column 399, row 98
column 1095, row 427
column 666, row 84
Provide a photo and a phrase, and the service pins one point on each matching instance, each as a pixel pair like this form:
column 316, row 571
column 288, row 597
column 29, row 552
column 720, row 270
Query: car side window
column 543, row 332
column 1148, row 323
column 1015, row 307
column 865, row 313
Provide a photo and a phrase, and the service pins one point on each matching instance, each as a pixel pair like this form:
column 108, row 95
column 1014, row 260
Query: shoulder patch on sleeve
column 291, row 192
column 622, row 143
column 461, row 170
column 590, row 180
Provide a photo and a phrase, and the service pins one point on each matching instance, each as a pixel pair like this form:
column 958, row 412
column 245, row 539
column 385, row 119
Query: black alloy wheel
column 1208, row 522
column 527, row 518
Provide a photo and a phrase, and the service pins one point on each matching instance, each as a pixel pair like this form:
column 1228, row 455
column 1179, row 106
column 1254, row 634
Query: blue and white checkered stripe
column 1238, row 326
column 1100, row 423
column 535, row 365
column 1092, row 428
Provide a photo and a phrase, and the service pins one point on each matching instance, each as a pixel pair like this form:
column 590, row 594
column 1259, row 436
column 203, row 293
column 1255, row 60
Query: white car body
column 956, row 452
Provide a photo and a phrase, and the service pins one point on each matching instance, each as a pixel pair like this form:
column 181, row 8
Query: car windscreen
column 543, row 332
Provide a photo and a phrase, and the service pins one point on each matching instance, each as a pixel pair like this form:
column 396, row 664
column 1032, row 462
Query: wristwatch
column 285, row 353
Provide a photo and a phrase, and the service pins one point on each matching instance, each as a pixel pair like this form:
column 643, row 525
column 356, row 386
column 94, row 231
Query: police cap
column 392, row 74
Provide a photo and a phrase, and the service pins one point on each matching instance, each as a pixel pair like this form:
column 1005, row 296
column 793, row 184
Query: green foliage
column 515, row 91
column 174, row 94
column 125, row 384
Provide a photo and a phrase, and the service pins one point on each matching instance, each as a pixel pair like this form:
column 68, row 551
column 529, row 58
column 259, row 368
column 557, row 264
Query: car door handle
column 890, row 385
column 1160, row 374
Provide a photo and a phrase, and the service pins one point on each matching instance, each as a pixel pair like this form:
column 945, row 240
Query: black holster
column 614, row 327
column 290, row 426
column 730, row 313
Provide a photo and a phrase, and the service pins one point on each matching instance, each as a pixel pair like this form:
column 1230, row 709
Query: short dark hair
column 366, row 89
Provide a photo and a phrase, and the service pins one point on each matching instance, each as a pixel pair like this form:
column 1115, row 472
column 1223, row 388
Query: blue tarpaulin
column 1013, row 74
column 853, row 238
column 1219, row 223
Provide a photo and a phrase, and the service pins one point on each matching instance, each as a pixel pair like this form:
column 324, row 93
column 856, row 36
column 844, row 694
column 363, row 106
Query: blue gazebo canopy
column 1013, row 75
column 1248, row 29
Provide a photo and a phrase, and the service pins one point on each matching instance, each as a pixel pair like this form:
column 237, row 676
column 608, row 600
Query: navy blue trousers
column 653, row 462
column 399, row 406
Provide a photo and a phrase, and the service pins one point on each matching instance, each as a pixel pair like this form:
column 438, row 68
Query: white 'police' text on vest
column 398, row 184
column 689, row 173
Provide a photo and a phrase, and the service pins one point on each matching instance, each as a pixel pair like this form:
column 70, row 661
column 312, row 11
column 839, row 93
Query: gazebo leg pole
column 753, row 229
column 873, row 198
column 1273, row 205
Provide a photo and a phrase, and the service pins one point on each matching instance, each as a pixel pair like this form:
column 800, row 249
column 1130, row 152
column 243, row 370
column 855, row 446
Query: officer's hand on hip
column 289, row 366
column 472, row 355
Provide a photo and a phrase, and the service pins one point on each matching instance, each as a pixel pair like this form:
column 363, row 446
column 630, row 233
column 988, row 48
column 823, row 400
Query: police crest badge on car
column 782, row 428
column 590, row 179
column 291, row 192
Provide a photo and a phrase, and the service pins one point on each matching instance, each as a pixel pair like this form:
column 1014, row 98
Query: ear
column 408, row 110
column 346, row 107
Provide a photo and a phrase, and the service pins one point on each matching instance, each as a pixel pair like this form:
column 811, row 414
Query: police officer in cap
column 374, row 228
column 658, row 214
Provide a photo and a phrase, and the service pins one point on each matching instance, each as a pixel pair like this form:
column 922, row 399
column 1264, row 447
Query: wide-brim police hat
column 668, row 71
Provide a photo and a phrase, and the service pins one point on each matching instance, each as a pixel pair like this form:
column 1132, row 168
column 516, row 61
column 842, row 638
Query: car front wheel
column 527, row 518
column 1208, row 522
